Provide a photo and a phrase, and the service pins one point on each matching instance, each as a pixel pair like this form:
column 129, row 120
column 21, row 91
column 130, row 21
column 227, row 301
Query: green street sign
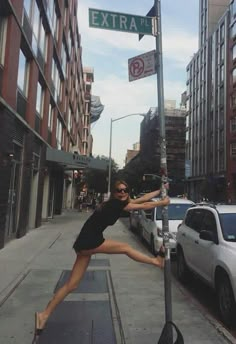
column 101, row 19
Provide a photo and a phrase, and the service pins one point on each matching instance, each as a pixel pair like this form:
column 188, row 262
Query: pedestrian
column 80, row 203
column 94, row 202
column 91, row 241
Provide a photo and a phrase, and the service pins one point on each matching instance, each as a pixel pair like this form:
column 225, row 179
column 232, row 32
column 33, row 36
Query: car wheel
column 226, row 300
column 153, row 250
column 182, row 269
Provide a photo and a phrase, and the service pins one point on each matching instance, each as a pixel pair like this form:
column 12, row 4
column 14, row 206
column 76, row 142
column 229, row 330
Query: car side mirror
column 208, row 236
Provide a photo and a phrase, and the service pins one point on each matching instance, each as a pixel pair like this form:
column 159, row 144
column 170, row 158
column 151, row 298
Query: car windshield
column 175, row 211
column 228, row 225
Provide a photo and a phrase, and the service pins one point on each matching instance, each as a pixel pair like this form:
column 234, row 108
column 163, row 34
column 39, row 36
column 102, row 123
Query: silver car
column 206, row 245
column 151, row 223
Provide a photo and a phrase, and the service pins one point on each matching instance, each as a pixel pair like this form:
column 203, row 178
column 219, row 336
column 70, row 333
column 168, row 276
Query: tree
column 97, row 180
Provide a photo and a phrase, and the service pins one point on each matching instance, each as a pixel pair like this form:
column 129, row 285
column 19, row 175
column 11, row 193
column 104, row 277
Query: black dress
column 91, row 235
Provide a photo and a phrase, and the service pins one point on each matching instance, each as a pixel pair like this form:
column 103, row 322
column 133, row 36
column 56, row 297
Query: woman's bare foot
column 159, row 261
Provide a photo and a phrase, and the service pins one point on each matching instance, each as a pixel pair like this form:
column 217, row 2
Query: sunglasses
column 122, row 190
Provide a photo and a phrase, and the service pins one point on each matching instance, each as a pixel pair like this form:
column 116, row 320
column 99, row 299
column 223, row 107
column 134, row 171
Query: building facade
column 210, row 124
column 131, row 153
column 87, row 137
column 43, row 109
column 150, row 149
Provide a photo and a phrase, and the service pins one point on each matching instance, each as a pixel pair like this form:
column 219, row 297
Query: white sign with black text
column 142, row 66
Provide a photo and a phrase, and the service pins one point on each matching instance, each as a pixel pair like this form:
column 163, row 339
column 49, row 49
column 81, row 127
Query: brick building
column 211, row 105
column 42, row 111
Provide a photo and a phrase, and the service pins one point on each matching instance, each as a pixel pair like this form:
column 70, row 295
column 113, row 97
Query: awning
column 71, row 161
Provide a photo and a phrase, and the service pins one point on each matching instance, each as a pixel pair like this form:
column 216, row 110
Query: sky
column 108, row 52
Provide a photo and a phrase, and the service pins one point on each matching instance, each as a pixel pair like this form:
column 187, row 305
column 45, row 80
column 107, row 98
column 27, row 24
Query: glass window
column 65, row 16
column 3, row 22
column 195, row 219
column 22, row 78
column 233, row 100
column 187, row 121
column 209, row 222
column 234, row 75
column 233, row 9
column 233, row 125
column 63, row 57
column 39, row 100
column 222, row 96
column 39, row 37
column 188, row 89
column 42, row 39
column 233, row 149
column 222, row 137
column 27, row 7
column 187, row 136
column 234, row 52
column 50, row 117
column 175, row 211
column 233, row 30
column 69, row 122
column 222, row 52
column 228, row 226
column 222, row 68
column 56, row 80
column 59, row 134
column 222, row 31
column 35, row 21
column 77, row 115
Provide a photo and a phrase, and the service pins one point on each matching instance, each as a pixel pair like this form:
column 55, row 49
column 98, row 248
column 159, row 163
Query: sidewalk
column 119, row 301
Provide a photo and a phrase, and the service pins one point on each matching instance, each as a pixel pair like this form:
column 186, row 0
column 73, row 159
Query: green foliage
column 98, row 180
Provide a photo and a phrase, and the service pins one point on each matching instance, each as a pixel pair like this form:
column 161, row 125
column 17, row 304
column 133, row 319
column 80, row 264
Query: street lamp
column 114, row 120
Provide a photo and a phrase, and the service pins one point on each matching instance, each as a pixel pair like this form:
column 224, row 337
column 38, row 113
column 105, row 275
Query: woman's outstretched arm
column 146, row 197
column 147, row 205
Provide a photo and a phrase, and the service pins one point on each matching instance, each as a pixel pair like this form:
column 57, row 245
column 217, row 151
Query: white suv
column 206, row 245
column 151, row 223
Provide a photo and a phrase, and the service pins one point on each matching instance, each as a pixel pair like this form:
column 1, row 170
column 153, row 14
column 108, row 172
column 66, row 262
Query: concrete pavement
column 31, row 268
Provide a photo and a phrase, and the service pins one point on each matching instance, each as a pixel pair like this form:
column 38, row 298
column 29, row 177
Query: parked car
column 151, row 223
column 206, row 245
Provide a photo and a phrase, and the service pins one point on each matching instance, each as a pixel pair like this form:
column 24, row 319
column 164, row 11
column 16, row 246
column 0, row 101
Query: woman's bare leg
column 117, row 247
column 80, row 266
column 77, row 273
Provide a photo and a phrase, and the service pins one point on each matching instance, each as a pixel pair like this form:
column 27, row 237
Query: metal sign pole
column 109, row 171
column 165, row 225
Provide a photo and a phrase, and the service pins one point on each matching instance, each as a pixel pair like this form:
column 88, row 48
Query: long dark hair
column 116, row 185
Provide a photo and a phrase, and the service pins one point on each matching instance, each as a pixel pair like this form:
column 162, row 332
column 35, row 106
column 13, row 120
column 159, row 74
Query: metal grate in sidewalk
column 82, row 322
column 92, row 282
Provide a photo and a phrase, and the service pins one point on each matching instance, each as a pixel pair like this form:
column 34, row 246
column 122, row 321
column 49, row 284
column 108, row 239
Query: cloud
column 120, row 99
column 178, row 45
column 136, row 96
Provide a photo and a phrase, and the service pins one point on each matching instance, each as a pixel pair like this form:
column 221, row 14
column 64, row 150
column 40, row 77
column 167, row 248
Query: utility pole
column 109, row 172
column 163, row 163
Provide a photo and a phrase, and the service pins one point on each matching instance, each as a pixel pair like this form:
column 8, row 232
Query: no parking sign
column 142, row 65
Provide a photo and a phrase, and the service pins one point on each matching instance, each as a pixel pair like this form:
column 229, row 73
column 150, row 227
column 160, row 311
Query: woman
column 91, row 241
